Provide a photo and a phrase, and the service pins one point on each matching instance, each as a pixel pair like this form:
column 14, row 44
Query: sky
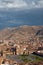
column 21, row 4
column 20, row 12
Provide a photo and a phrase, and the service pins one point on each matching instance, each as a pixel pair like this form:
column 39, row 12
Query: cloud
column 40, row 3
column 13, row 4
column 21, row 4
column 17, row 4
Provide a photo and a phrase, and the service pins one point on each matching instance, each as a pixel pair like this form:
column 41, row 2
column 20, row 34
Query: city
column 13, row 48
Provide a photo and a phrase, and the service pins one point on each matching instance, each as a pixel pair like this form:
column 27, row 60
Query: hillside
column 21, row 34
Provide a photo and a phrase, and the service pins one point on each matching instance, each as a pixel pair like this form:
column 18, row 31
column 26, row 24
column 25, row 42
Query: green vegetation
column 38, row 59
column 24, row 58
column 31, row 58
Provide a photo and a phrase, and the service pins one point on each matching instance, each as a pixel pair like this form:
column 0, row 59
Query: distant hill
column 21, row 33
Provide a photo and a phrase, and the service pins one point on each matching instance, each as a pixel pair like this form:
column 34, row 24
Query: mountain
column 21, row 32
